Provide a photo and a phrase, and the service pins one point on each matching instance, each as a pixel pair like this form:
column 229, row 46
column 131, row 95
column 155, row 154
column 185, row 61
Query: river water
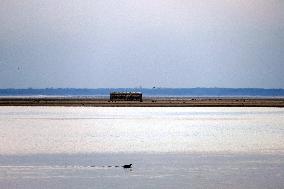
column 84, row 147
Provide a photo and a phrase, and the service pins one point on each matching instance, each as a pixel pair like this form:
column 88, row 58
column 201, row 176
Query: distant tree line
column 145, row 91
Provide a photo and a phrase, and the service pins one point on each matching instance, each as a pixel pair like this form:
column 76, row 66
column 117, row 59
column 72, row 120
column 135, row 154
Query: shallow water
column 55, row 147
column 33, row 130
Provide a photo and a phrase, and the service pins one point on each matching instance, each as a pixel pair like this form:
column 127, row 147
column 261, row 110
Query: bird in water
column 127, row 166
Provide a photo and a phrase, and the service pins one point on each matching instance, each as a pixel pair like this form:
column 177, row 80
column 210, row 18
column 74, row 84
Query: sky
column 141, row 43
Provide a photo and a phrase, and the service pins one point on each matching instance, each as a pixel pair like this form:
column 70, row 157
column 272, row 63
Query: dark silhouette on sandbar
column 127, row 166
column 123, row 166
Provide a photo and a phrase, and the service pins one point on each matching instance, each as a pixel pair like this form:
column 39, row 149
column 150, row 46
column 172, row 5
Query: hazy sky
column 131, row 43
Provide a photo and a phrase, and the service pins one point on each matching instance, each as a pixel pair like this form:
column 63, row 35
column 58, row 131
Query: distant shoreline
column 147, row 102
column 155, row 92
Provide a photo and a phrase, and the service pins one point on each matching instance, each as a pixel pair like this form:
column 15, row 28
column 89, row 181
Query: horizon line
column 53, row 88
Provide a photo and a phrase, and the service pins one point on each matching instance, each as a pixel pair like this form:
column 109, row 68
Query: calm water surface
column 66, row 147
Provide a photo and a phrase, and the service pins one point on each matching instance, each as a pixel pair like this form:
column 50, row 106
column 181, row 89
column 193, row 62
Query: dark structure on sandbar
column 126, row 96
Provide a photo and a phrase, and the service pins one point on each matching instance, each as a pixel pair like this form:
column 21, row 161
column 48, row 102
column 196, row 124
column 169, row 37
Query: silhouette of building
column 126, row 96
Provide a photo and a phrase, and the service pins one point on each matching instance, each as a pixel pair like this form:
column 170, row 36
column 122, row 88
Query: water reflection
column 34, row 130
